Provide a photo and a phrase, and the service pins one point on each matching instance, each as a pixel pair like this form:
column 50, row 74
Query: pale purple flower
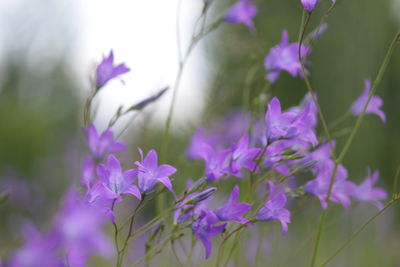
column 274, row 209
column 367, row 193
column 373, row 106
column 106, row 70
column 115, row 181
column 100, row 145
column 216, row 163
column 233, row 211
column 88, row 174
column 205, row 229
column 243, row 157
column 38, row 251
column 284, row 57
column 242, row 12
column 309, row 5
column 341, row 189
column 79, row 226
column 150, row 173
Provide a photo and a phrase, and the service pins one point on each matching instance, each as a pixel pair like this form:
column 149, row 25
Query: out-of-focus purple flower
column 373, row 106
column 88, row 175
column 233, row 211
column 366, row 191
column 106, row 70
column 79, row 226
column 243, row 157
column 274, row 209
column 100, row 145
column 242, row 12
column 205, row 229
column 318, row 32
column 217, row 163
column 38, row 250
column 319, row 156
column 341, row 189
column 309, row 5
column 116, row 181
column 284, row 57
column 150, row 173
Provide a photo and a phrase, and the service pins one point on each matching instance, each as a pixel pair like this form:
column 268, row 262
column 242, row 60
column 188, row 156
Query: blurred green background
column 40, row 118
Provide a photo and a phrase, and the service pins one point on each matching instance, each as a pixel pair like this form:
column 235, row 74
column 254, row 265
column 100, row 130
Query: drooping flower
column 341, row 188
column 150, row 173
column 242, row 12
column 309, row 5
column 100, row 145
column 366, row 191
column 205, row 229
column 243, row 157
column 115, row 181
column 106, row 70
column 233, row 211
column 274, row 209
column 373, row 106
column 284, row 57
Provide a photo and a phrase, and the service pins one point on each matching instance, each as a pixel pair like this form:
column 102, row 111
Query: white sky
column 142, row 34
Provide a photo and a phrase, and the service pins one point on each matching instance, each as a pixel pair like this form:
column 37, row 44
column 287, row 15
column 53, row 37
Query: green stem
column 356, row 233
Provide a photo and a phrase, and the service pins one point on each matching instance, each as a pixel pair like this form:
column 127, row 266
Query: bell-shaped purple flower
column 100, row 145
column 373, row 106
column 115, row 181
column 106, row 70
column 205, row 228
column 367, row 193
column 242, row 12
column 233, row 211
column 274, row 209
column 341, row 189
column 309, row 5
column 243, row 157
column 284, row 57
column 150, row 173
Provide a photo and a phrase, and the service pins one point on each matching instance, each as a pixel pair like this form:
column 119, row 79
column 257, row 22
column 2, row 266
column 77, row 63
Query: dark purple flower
column 233, row 211
column 284, row 57
column 106, row 70
column 150, row 173
column 117, row 182
column 366, row 191
column 100, row 145
column 274, row 209
column 242, row 12
column 205, row 229
column 309, row 5
column 373, row 106
column 341, row 189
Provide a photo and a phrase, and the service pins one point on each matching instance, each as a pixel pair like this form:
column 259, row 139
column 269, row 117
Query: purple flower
column 115, row 181
column 101, row 145
column 233, row 211
column 341, row 189
column 278, row 124
column 88, row 175
column 106, row 70
column 274, row 209
column 217, row 163
column 38, row 250
column 242, row 12
column 79, row 227
column 309, row 5
column 284, row 57
column 243, row 157
column 205, row 229
column 373, row 106
column 150, row 173
column 366, row 192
